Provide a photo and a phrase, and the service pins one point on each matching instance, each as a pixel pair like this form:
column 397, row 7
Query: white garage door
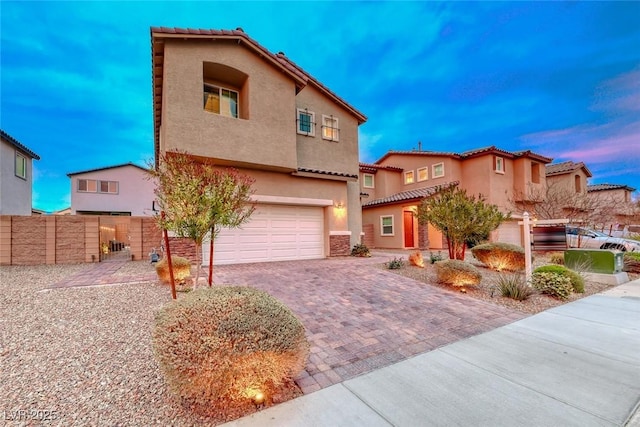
column 273, row 233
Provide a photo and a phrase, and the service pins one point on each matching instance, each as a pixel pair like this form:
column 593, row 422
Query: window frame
column 498, row 164
column 426, row 171
column 220, row 95
column 335, row 130
column 23, row 159
column 95, row 186
column 382, row 226
column 312, row 124
column 364, row 180
column 536, row 172
column 87, row 189
column 406, row 177
column 433, row 170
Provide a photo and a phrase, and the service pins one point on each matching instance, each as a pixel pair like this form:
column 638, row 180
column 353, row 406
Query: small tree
column 197, row 198
column 461, row 218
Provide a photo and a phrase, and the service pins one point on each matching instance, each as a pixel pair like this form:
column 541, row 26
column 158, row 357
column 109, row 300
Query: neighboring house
column 221, row 96
column 570, row 176
column 393, row 187
column 617, row 200
column 16, row 176
column 113, row 190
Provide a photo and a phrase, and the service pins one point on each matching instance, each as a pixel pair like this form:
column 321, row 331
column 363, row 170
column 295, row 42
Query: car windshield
column 597, row 233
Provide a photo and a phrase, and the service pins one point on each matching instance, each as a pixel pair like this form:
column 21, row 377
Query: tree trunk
column 198, row 263
column 211, row 259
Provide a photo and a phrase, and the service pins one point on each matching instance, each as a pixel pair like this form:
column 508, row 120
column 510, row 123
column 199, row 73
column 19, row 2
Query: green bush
column 395, row 263
column 577, row 281
column 552, row 284
column 433, row 258
column 557, row 258
column 360, row 250
column 500, row 256
column 632, row 262
column 457, row 273
column 220, row 347
column 514, row 286
column 181, row 269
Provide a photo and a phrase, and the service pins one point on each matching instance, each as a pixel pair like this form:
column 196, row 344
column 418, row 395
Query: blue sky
column 561, row 79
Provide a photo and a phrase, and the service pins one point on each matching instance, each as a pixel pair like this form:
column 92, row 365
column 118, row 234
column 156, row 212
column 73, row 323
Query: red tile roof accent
column 604, row 187
column 107, row 167
column 373, row 168
column 417, row 194
column 318, row 171
column 11, row 140
column 566, row 167
column 471, row 153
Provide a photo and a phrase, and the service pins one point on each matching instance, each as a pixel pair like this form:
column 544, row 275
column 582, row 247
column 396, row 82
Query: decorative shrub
column 181, row 270
column 360, row 250
column 395, row 264
column 416, row 259
column 500, row 256
column 514, row 286
column 557, row 258
column 457, row 273
column 632, row 262
column 552, row 284
column 222, row 349
column 577, row 281
column 435, row 257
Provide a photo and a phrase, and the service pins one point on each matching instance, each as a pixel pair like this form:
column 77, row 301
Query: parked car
column 578, row 237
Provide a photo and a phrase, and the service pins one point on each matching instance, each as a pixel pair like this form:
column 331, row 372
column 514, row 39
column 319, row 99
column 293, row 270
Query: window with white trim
column 423, row 174
column 306, row 122
column 499, row 164
column 220, row 100
column 368, row 180
column 330, row 129
column 96, row 186
column 409, row 177
column 386, row 225
column 21, row 166
column 437, row 170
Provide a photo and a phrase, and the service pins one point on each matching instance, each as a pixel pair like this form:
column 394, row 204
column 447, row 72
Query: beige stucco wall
column 412, row 162
column 372, row 216
column 15, row 192
column 267, row 137
column 522, row 179
column 479, row 177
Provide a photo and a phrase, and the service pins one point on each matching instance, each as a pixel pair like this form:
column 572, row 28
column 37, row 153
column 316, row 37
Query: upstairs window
column 423, row 174
column 499, row 164
column 437, row 170
column 577, row 183
column 368, row 181
column 21, row 166
column 409, row 178
column 110, row 187
column 96, row 186
column 306, row 122
column 330, row 129
column 220, row 100
column 535, row 173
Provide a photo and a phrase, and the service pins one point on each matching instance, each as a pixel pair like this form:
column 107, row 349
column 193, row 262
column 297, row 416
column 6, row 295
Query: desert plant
column 221, row 349
column 556, row 258
column 395, row 263
column 457, row 273
column 552, row 284
column 433, row 258
column 360, row 250
column 416, row 259
column 632, row 262
column 577, row 281
column 181, row 270
column 514, row 286
column 500, row 256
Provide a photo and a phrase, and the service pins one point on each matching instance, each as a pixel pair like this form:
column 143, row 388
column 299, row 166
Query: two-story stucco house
column 221, row 96
column 393, row 187
column 119, row 190
column 618, row 197
column 16, row 176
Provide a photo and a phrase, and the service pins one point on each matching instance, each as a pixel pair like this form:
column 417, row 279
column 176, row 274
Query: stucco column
column 354, row 212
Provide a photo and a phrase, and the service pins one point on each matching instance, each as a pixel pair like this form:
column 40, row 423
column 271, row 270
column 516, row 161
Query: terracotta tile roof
column 417, row 194
column 604, row 187
column 280, row 61
column 373, row 168
column 11, row 140
column 107, row 167
column 566, row 167
column 471, row 153
column 318, row 171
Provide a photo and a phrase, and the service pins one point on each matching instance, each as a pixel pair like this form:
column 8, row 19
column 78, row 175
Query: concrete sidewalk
column 575, row 365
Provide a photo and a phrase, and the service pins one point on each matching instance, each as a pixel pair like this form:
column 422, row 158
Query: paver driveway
column 360, row 317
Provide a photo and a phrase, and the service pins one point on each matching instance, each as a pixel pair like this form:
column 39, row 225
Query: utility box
column 604, row 261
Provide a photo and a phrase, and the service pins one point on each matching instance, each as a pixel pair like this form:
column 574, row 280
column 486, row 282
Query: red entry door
column 408, row 229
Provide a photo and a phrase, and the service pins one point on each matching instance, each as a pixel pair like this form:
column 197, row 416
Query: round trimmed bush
column 220, row 348
column 552, row 284
column 181, row 269
column 500, row 256
column 577, row 282
column 457, row 273
column 632, row 262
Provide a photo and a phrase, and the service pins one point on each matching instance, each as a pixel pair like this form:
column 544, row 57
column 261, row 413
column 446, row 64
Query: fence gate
column 115, row 240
